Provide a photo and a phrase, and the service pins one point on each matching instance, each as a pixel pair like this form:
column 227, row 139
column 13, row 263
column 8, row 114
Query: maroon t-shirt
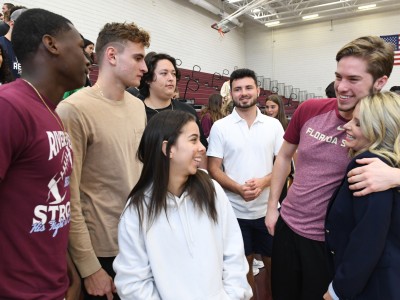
column 35, row 166
column 322, row 158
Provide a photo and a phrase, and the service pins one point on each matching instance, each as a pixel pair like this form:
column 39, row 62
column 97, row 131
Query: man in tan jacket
column 105, row 124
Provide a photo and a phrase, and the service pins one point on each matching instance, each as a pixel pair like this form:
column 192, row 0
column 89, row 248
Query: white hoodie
column 185, row 256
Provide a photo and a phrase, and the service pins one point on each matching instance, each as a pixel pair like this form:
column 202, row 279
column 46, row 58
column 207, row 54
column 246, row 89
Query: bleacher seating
column 203, row 85
column 208, row 86
column 93, row 73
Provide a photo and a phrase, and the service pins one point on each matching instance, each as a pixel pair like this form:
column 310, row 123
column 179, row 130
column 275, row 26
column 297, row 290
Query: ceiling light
column 256, row 10
column 263, row 16
column 309, row 17
column 366, row 7
column 272, row 24
column 234, row 1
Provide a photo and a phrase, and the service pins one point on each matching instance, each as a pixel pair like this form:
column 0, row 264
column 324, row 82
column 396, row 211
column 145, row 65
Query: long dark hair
column 167, row 126
column 5, row 72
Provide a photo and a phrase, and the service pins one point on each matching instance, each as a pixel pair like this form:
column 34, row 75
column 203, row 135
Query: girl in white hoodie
column 178, row 236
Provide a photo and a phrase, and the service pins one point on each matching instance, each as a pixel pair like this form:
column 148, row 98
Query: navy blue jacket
column 363, row 240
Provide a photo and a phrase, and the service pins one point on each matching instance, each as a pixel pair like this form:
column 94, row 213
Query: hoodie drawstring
column 187, row 227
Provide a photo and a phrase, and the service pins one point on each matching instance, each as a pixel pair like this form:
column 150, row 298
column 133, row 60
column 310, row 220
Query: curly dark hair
column 152, row 59
column 242, row 73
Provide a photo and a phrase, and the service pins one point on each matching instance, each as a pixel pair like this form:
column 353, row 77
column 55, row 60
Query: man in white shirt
column 240, row 154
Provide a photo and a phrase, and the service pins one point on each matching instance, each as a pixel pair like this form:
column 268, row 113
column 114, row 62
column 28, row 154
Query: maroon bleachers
column 204, row 80
column 206, row 87
column 93, row 73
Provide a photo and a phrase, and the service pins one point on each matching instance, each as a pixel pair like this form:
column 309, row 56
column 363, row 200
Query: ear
column 258, row 91
column 164, row 148
column 110, row 55
column 50, row 43
column 380, row 83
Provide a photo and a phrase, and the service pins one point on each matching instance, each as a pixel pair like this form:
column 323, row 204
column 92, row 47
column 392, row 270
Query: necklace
column 157, row 110
column 59, row 121
column 100, row 91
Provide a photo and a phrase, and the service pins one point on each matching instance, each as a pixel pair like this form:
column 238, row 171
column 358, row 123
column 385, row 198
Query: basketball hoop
column 221, row 28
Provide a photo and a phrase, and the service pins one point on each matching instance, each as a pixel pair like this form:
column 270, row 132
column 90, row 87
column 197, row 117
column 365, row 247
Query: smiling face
column 186, row 153
column 244, row 92
column 163, row 84
column 353, row 83
column 355, row 139
column 271, row 109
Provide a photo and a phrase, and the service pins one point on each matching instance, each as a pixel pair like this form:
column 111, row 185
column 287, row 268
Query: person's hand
column 270, row 219
column 375, row 176
column 73, row 291
column 255, row 183
column 100, row 284
column 327, row 296
column 249, row 193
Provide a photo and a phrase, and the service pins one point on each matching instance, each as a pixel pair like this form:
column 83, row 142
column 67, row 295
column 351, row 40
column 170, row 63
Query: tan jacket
column 105, row 136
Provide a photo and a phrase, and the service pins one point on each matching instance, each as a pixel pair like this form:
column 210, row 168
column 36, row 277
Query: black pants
column 299, row 266
column 106, row 264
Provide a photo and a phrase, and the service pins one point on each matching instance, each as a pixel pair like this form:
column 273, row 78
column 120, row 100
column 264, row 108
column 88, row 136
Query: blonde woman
column 363, row 233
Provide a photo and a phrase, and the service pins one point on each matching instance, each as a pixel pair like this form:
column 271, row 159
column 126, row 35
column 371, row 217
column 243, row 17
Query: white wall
column 304, row 56
column 177, row 27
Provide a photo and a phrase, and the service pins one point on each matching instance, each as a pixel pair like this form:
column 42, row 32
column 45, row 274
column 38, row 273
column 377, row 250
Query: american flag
column 395, row 40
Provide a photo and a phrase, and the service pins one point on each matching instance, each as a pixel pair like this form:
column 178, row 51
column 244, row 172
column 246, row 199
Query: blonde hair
column 380, row 124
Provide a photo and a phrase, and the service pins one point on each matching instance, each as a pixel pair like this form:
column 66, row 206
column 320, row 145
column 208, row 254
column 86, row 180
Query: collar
column 236, row 118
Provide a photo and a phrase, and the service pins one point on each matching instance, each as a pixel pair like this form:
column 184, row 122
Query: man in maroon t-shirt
column 299, row 260
column 36, row 158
